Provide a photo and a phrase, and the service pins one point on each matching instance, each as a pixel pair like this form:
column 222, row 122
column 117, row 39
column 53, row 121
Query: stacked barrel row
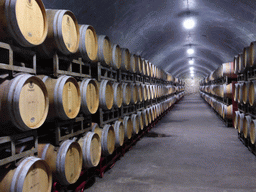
column 217, row 90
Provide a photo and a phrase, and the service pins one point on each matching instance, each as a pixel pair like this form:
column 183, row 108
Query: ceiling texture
column 154, row 29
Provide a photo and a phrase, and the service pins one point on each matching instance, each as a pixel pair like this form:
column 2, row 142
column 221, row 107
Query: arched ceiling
column 154, row 30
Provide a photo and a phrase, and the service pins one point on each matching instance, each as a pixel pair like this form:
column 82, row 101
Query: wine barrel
column 236, row 119
column 246, row 56
column 227, row 90
column 145, row 118
column 118, row 95
column 149, row 115
column 24, row 102
column 252, row 53
column 246, row 125
column 252, row 93
column 147, row 67
column 140, row 116
column 236, row 64
column 89, row 96
column 228, row 112
column 23, row 21
column 119, row 133
column 32, row 174
column 140, row 94
column 148, row 92
column 144, row 92
column 65, row 162
column 253, row 131
column 104, row 54
column 143, row 63
column 88, row 43
column 116, row 56
column 128, row 127
column 245, row 90
column 91, row 149
column 133, row 63
column 134, row 93
column 240, row 122
column 135, row 123
column 126, row 93
column 125, row 64
column 240, row 63
column 64, row 96
column 138, row 67
column 107, row 137
column 236, row 92
column 106, row 95
column 63, row 34
column 240, row 92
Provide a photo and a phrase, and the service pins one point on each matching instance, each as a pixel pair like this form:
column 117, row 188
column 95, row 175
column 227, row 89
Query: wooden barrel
column 106, row 95
column 236, row 92
column 138, row 67
column 148, row 92
column 118, row 95
column 89, row 96
column 227, row 90
column 140, row 116
column 133, row 63
column 144, row 92
column 246, row 125
column 240, row 92
column 145, row 118
column 240, row 122
column 64, row 96
column 252, row 93
column 116, row 56
column 140, row 94
column 246, row 56
column 128, row 127
column 88, row 43
column 125, row 64
column 252, row 53
column 236, row 64
column 134, row 93
column 65, row 162
column 253, row 131
column 135, row 124
column 63, row 34
column 32, row 174
column 119, row 133
column 126, row 93
column 91, row 149
column 149, row 115
column 228, row 112
column 24, row 102
column 245, row 90
column 104, row 54
column 143, row 63
column 147, row 67
column 240, row 63
column 23, row 21
column 236, row 119
column 107, row 137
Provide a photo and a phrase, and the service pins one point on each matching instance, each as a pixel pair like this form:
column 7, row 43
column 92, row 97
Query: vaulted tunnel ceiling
column 154, row 30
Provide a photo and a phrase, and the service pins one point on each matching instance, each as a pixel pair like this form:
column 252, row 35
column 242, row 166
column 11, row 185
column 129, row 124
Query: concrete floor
column 198, row 153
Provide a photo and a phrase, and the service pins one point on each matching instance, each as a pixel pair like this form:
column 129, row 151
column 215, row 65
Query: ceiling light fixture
column 190, row 51
column 191, row 68
column 192, row 75
column 191, row 61
column 189, row 23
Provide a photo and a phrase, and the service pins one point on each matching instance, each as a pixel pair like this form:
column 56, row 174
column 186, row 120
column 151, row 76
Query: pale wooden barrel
column 246, row 56
column 246, row 125
column 118, row 95
column 24, row 102
column 88, row 43
column 150, row 69
column 245, row 90
column 240, row 63
column 138, row 67
column 106, row 95
column 228, row 112
column 236, row 92
column 116, row 56
column 147, row 67
column 133, row 63
column 148, row 92
column 149, row 115
column 236, row 64
column 134, row 93
column 119, row 133
column 135, row 123
column 237, row 115
column 128, row 127
column 253, row 131
column 140, row 94
column 91, row 149
column 125, row 64
column 143, row 63
column 252, row 93
column 23, row 21
column 89, row 96
column 144, row 92
column 126, row 93
column 228, row 90
column 145, row 118
column 64, row 95
column 240, row 122
column 140, row 116
column 252, row 53
column 240, row 92
column 104, row 50
column 65, row 162
column 32, row 174
column 63, row 34
column 107, row 137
